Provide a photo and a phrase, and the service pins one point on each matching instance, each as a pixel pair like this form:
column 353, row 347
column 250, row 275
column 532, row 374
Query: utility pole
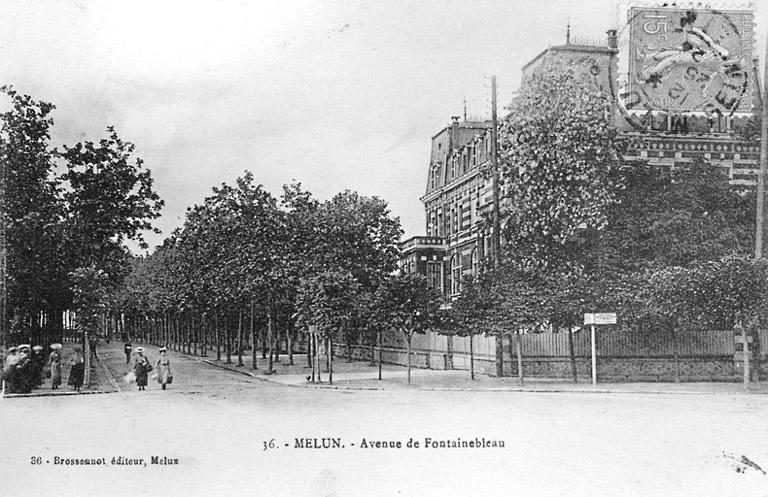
column 759, row 223
column 496, row 240
column 3, row 255
column 496, row 234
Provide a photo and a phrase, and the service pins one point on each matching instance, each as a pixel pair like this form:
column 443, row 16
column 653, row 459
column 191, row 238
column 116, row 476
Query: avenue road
column 216, row 424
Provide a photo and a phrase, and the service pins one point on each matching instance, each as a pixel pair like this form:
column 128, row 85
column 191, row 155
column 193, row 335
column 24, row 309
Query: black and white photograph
column 406, row 248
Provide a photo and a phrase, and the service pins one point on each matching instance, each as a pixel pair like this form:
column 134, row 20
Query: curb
column 531, row 390
column 110, row 377
column 53, row 394
column 603, row 390
column 512, row 390
column 242, row 372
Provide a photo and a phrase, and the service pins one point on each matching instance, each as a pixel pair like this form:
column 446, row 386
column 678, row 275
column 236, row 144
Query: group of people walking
column 25, row 367
column 142, row 366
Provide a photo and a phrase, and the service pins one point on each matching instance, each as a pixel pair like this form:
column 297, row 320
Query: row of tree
column 583, row 231
column 247, row 267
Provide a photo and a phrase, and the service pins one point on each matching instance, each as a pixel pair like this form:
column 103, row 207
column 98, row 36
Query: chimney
column 454, row 127
column 613, row 41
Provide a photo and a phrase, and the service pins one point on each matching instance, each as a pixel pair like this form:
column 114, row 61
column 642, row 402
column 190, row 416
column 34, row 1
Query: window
column 475, row 261
column 455, row 274
column 434, row 280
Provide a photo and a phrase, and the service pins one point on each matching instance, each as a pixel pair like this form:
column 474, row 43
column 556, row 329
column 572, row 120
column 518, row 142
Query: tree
column 89, row 289
column 327, row 302
column 405, row 304
column 558, row 154
column 110, row 199
column 31, row 212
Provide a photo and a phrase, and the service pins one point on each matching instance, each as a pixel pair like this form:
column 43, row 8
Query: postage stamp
column 694, row 59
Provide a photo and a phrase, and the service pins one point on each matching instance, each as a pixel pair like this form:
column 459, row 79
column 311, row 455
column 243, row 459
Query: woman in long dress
column 77, row 372
column 141, row 368
column 54, row 362
column 163, row 368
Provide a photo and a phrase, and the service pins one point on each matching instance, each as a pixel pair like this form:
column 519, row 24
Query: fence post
column 572, row 354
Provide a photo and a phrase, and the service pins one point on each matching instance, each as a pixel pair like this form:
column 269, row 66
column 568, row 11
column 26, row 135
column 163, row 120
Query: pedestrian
column 38, row 362
column 164, row 375
column 92, row 345
column 141, row 368
column 77, row 370
column 11, row 358
column 127, row 350
column 54, row 363
column 22, row 375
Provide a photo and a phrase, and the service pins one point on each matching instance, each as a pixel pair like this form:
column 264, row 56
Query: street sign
column 593, row 318
column 600, row 318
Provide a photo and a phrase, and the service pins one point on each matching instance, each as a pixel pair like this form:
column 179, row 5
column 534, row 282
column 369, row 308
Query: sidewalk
column 362, row 376
column 99, row 380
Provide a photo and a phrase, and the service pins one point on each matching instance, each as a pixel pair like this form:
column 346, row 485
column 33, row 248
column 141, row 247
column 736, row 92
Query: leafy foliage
column 558, row 157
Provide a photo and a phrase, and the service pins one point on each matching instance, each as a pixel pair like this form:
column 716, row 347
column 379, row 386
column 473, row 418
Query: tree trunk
column 327, row 354
column 263, row 336
column 472, row 357
column 204, row 336
column 189, row 335
column 240, row 338
column 408, row 353
column 194, row 334
column 675, row 352
column 379, row 339
column 290, row 345
column 330, row 361
column 519, row 346
column 218, row 335
column 228, row 339
column 499, row 356
column 276, row 343
column 310, row 364
column 269, row 338
column 572, row 354
column 310, row 353
column 87, row 356
column 253, row 340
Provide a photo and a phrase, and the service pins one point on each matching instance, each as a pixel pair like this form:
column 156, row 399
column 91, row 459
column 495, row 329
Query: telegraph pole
column 759, row 228
column 496, row 239
column 496, row 235
column 3, row 255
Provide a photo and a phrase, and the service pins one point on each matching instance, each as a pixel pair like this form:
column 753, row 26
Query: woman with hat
column 23, row 372
column 54, row 362
column 77, row 372
column 141, row 367
column 38, row 362
column 164, row 369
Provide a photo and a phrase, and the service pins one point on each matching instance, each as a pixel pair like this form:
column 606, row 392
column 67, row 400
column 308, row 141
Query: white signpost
column 594, row 318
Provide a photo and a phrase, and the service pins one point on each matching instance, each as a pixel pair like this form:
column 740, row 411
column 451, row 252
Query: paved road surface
column 216, row 422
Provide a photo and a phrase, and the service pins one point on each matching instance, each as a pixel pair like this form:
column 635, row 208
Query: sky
column 334, row 94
